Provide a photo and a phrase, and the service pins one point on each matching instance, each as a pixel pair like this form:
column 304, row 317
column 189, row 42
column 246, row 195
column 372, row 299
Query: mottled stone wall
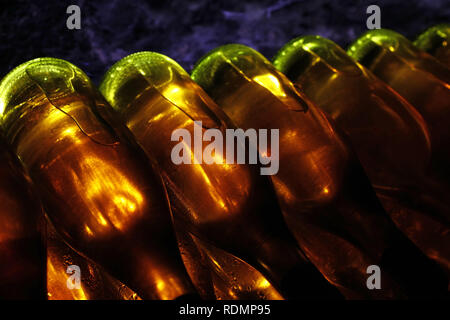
column 185, row 30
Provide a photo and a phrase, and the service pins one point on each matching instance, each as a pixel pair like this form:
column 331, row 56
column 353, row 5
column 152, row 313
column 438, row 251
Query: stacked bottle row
column 362, row 177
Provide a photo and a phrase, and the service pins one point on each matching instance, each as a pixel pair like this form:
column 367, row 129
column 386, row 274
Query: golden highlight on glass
column 326, row 198
column 230, row 205
column 362, row 175
column 390, row 137
column 95, row 283
column 220, row 275
column 98, row 187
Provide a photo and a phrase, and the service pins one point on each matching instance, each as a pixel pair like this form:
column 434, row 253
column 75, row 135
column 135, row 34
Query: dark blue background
column 186, row 30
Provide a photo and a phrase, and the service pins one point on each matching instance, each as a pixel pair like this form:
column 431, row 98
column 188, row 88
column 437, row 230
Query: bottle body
column 97, row 186
column 435, row 41
column 324, row 193
column 22, row 243
column 216, row 201
column 95, row 283
column 391, row 139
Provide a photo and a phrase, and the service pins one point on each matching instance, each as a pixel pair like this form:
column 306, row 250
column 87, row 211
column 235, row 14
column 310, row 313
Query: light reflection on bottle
column 98, row 187
column 230, row 205
column 327, row 200
column 419, row 78
column 220, row 275
column 390, row 137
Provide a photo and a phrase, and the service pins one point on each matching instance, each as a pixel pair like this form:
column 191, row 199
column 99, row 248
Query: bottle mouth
column 53, row 77
column 216, row 69
column 380, row 41
column 130, row 77
column 434, row 38
column 298, row 55
column 242, row 59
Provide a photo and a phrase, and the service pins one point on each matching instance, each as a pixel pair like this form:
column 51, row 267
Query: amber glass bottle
column 390, row 137
column 98, row 187
column 325, row 195
column 230, row 205
column 22, row 230
column 417, row 76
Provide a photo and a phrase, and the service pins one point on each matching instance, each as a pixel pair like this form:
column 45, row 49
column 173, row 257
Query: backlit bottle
column 22, row 244
column 229, row 205
column 325, row 195
column 418, row 77
column 436, row 41
column 390, row 137
column 98, row 187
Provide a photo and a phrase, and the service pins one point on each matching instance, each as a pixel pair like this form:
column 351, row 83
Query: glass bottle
column 101, row 192
column 230, row 205
column 326, row 198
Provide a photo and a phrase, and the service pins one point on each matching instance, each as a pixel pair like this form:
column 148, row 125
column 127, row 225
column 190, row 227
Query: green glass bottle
column 99, row 189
